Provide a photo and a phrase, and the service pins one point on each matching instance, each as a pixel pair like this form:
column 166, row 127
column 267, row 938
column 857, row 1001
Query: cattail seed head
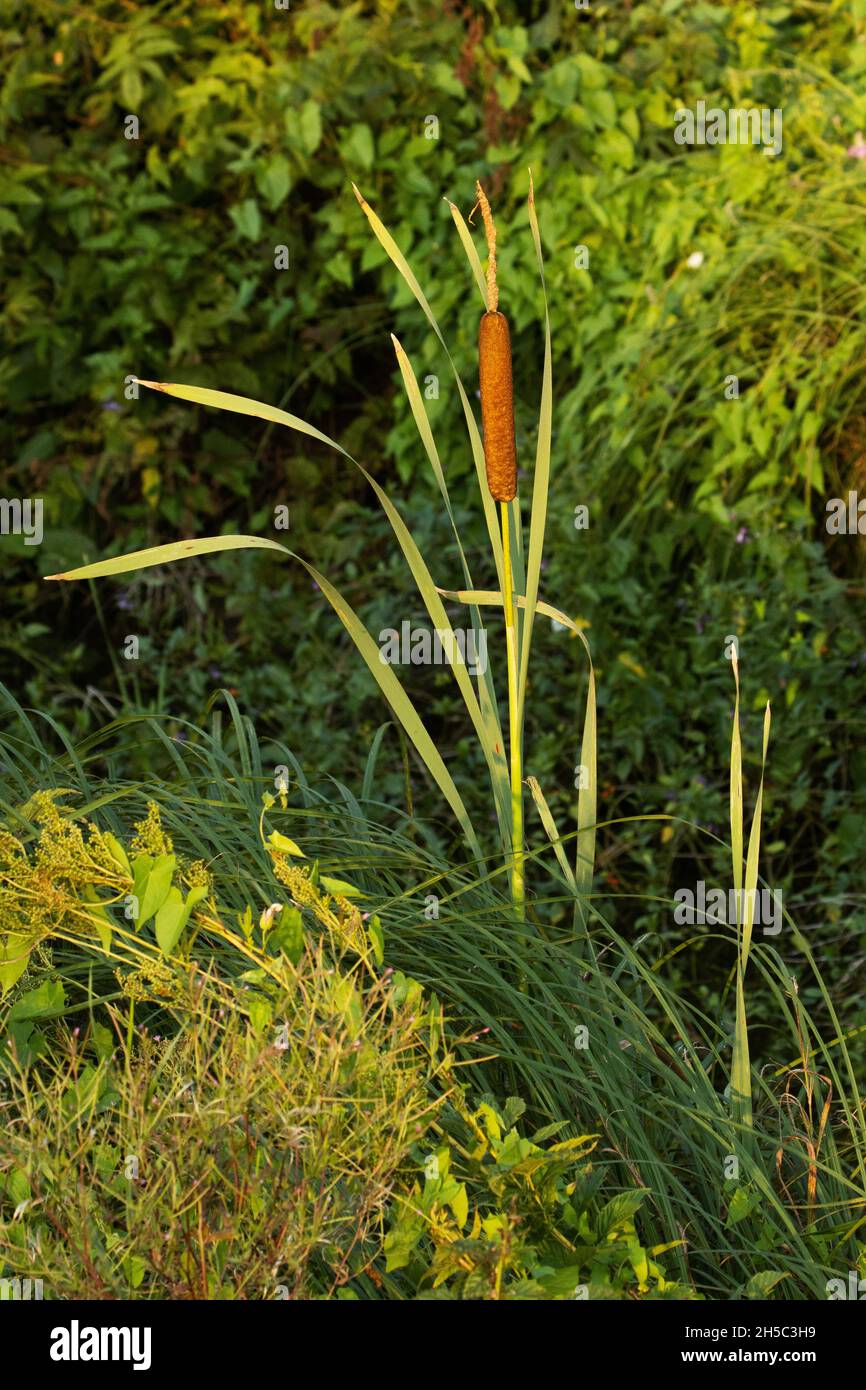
column 497, row 406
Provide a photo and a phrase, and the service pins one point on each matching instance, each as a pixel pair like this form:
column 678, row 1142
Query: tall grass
column 655, row 1078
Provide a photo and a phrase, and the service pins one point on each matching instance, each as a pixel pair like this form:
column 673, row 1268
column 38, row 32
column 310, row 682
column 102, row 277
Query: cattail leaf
column 736, row 788
column 484, row 727
column 553, row 835
column 469, row 247
column 750, row 885
column 741, row 1069
column 399, row 702
column 389, row 245
column 587, row 796
column 486, row 689
column 239, row 405
column 541, row 478
column 166, row 554
column 496, row 763
column 493, row 598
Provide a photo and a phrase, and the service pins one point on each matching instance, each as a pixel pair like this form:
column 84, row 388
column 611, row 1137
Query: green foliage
column 515, row 1218
column 156, row 256
column 244, row 1142
column 652, row 1083
column 231, row 1160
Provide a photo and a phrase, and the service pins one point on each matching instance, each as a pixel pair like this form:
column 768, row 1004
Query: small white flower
column 695, row 260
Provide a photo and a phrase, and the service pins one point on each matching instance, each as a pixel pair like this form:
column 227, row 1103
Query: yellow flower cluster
column 336, row 913
column 150, row 838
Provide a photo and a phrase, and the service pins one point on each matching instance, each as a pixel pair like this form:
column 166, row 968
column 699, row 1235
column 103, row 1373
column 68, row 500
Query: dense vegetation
column 671, row 272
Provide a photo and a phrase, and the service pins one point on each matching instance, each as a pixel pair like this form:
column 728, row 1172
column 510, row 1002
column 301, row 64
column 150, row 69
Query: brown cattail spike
column 494, row 367
column 497, row 406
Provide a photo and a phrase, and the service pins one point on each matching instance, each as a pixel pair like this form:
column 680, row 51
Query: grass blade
column 166, row 554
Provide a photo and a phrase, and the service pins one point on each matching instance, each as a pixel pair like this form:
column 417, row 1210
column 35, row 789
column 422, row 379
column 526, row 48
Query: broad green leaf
column 247, row 219
column 173, row 916
column 762, row 1284
column 156, row 888
column 288, row 935
column 460, row 1205
column 310, row 126
column 99, row 916
column 377, row 939
column 17, row 1186
column 339, row 888
column 49, row 998
column 14, row 955
column 743, row 1202
column 284, row 845
column 169, row 921
column 118, row 853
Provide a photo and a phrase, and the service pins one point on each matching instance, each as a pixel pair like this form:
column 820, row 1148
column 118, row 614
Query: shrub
column 241, row 1143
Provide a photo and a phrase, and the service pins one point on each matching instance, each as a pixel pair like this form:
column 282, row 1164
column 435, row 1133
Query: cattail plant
column 500, row 459
column 518, row 569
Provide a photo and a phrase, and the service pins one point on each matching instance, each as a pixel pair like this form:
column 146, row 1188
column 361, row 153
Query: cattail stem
column 516, row 752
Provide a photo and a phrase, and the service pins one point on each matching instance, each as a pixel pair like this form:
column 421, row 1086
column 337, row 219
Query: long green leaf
column 587, row 798
column 166, row 554
column 239, row 405
column 489, row 736
column 469, row 247
column 541, row 479
column 553, row 835
column 384, row 675
column 392, row 250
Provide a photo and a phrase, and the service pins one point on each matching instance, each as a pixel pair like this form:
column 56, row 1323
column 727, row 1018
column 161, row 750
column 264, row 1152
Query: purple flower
column 858, row 149
column 742, row 535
